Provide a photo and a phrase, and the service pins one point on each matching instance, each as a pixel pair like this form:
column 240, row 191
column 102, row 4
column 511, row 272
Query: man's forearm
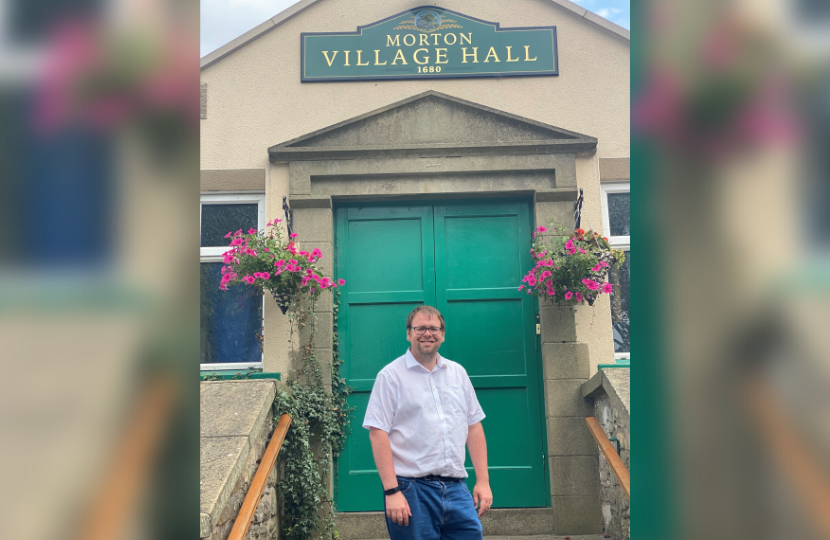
column 382, row 451
column 477, row 446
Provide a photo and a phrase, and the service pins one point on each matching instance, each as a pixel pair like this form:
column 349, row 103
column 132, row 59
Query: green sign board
column 429, row 42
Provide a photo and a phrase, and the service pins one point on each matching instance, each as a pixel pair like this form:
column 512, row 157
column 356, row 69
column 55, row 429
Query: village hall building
column 418, row 147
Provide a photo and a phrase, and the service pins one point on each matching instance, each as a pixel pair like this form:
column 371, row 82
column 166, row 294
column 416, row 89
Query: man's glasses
column 423, row 329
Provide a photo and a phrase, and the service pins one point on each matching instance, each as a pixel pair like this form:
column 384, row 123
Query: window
column 231, row 320
column 616, row 223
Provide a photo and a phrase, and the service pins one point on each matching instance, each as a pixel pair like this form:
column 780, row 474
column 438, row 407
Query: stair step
column 499, row 522
column 534, row 537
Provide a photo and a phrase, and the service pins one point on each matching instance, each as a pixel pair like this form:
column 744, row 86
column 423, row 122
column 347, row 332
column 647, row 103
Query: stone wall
column 236, row 421
column 610, row 390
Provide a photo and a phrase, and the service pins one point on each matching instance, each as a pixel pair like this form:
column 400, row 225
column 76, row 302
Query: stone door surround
column 441, row 147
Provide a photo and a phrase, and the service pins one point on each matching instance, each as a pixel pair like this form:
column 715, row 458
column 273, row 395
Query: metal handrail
column 246, row 512
column 611, row 456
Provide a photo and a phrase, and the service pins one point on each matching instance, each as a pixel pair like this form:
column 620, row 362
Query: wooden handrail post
column 610, row 454
column 246, row 512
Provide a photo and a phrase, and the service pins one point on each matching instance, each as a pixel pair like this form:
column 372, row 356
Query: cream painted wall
column 255, row 97
column 256, row 100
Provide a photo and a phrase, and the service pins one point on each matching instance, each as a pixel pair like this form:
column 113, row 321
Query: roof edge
column 288, row 13
column 252, row 34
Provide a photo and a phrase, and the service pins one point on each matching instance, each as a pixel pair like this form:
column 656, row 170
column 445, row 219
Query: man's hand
column 482, row 498
column 397, row 508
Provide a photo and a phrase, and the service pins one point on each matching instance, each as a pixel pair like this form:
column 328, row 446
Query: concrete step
column 499, row 522
column 535, row 537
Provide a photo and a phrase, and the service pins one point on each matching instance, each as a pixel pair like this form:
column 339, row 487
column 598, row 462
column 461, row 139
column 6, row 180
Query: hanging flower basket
column 265, row 261
column 573, row 269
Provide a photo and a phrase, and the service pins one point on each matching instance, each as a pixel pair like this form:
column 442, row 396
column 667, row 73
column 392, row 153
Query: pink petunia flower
column 591, row 284
column 607, row 288
column 249, row 280
column 579, row 297
column 521, row 287
column 236, row 242
column 531, row 280
column 341, row 282
column 294, row 235
column 266, row 275
column 229, row 235
column 603, row 263
column 292, row 262
column 546, row 274
column 541, row 229
column 569, row 295
column 597, row 268
column 267, row 250
column 251, row 231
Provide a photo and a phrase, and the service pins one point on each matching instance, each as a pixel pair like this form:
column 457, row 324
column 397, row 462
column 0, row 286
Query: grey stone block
column 560, row 212
column 566, row 360
column 558, row 324
column 314, row 225
column 574, row 475
column 234, row 408
column 361, row 525
column 221, row 464
column 569, row 436
column 563, row 397
column 322, row 330
column 577, row 515
column 517, row 521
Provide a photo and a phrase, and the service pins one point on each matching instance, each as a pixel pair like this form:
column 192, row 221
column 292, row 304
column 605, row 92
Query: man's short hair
column 429, row 310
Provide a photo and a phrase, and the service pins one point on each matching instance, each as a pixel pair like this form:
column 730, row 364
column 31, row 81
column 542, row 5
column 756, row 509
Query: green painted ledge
column 244, row 374
column 619, row 364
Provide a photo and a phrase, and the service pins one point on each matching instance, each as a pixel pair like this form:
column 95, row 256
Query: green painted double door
column 466, row 260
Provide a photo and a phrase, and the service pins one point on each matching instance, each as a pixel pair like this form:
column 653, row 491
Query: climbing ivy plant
column 320, row 419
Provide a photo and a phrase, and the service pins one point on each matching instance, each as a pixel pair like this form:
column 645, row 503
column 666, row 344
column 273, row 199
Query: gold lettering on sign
column 474, row 54
column 409, row 36
column 358, row 59
column 396, row 42
column 492, row 52
column 424, row 39
column 447, row 41
column 326, row 54
column 527, row 54
column 347, row 58
column 377, row 60
column 399, row 55
column 439, row 55
column 415, row 55
column 469, row 38
column 508, row 55
column 435, row 40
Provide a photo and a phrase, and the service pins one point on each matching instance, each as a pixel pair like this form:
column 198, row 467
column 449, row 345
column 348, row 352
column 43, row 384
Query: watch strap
column 392, row 491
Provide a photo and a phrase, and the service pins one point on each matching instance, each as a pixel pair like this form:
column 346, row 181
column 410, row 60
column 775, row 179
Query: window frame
column 617, row 242
column 213, row 254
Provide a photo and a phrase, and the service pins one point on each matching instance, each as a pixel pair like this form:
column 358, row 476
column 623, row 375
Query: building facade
column 422, row 183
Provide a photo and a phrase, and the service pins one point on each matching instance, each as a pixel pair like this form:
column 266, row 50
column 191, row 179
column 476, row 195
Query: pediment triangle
column 432, row 118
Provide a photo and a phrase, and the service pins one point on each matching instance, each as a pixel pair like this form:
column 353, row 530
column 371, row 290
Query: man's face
column 427, row 343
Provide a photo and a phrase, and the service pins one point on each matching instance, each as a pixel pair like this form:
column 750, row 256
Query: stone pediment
column 432, row 124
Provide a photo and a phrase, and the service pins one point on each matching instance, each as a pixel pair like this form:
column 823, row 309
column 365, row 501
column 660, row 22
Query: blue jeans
column 441, row 510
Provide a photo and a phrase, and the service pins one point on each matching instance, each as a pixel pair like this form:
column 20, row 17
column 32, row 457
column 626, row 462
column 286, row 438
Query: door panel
column 386, row 256
column 464, row 259
column 480, row 249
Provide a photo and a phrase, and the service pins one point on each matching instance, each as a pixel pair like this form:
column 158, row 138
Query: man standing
column 422, row 411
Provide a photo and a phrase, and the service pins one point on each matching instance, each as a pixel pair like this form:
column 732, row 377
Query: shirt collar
column 411, row 361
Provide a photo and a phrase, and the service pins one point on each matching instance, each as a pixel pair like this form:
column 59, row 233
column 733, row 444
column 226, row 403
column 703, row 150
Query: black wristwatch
column 392, row 491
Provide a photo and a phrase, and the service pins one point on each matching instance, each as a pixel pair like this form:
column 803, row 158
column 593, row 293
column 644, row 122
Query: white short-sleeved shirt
column 426, row 415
